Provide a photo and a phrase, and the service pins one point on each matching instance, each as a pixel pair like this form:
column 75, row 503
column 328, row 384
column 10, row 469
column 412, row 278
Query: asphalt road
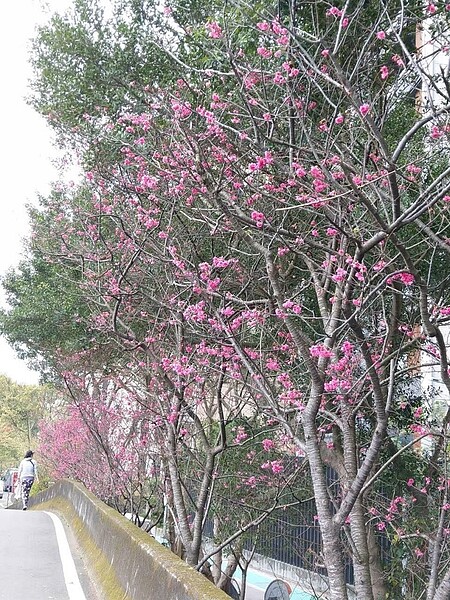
column 36, row 562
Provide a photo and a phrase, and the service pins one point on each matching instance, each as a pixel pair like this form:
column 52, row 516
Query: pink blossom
column 277, row 28
column 412, row 168
column 272, row 364
column 264, row 52
column 195, row 312
column 274, row 465
column 398, row 60
column 339, row 119
column 296, row 308
column 419, row 429
column 258, row 217
column 241, row 435
column 172, row 417
column 261, row 162
column 347, row 347
column 268, row 444
column 280, row 313
column 279, row 79
column 332, row 385
column 431, row 8
column 436, row 133
column 340, row 275
column 379, row 266
column 320, row 351
column 212, row 285
column 251, row 481
column 150, row 223
column 325, row 53
column 316, row 172
column 381, row 35
column 364, row 109
column 214, row 29
column 334, row 11
column 181, row 109
column 406, row 278
column 277, row 467
column 299, row 170
column 384, row 72
column 263, row 26
column 219, row 262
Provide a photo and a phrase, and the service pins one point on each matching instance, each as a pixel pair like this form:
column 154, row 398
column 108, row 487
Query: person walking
column 27, row 475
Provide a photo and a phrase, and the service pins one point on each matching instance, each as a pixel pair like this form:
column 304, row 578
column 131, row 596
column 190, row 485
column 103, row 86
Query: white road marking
column 73, row 584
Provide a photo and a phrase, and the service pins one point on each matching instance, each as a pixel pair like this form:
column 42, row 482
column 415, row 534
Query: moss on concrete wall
column 125, row 561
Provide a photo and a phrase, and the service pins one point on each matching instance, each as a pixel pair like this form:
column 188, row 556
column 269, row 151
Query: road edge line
column 71, row 578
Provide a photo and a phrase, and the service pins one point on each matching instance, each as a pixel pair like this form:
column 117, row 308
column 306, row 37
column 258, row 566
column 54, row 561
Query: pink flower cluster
column 261, row 162
column 268, row 445
column 182, row 110
column 320, row 351
column 258, row 217
column 364, row 109
column 404, row 277
column 240, row 435
column 384, row 72
column 275, row 466
column 295, row 308
column 214, row 30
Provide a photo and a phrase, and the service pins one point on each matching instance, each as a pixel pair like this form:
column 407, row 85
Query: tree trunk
column 363, row 579
column 332, row 550
column 331, row 542
column 379, row 587
column 443, row 591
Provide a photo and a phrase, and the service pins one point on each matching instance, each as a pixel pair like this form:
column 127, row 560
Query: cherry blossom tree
column 267, row 239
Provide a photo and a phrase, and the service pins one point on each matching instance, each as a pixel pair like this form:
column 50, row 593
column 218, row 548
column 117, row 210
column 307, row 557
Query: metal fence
column 295, row 539
column 293, row 536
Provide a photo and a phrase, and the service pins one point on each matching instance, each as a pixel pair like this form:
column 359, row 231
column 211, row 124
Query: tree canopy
column 254, row 269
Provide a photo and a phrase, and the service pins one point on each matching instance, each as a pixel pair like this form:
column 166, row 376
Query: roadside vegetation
column 242, row 295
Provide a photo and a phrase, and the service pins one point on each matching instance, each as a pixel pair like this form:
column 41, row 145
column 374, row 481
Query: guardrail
column 126, row 561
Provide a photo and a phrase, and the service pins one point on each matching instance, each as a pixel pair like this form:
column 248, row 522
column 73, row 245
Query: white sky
column 25, row 150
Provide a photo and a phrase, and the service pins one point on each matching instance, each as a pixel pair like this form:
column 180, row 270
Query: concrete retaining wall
column 128, row 563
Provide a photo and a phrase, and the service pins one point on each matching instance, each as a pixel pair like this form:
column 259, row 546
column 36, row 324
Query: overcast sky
column 26, row 160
